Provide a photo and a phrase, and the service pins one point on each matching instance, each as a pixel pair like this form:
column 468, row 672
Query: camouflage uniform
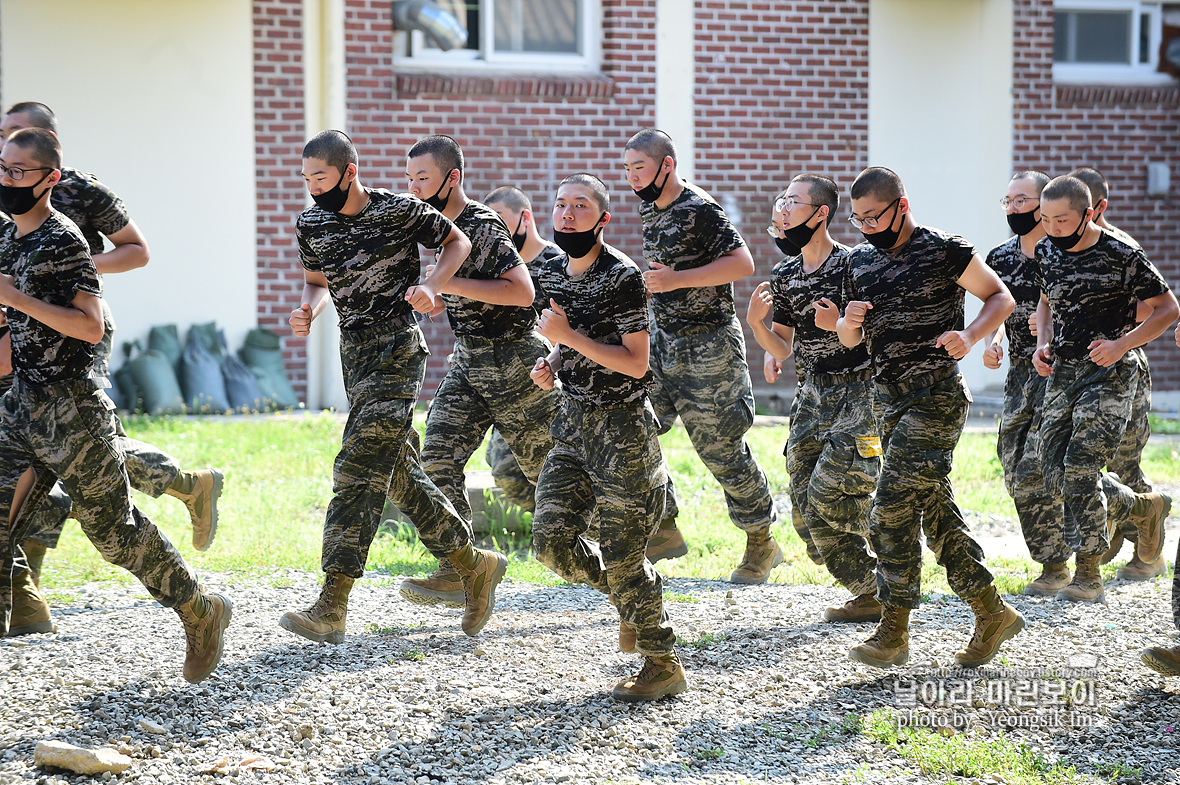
column 370, row 260
column 488, row 380
column 56, row 420
column 506, row 471
column 606, row 465
column 923, row 406
column 98, row 212
column 833, row 450
column 1092, row 294
column 1024, row 390
column 698, row 353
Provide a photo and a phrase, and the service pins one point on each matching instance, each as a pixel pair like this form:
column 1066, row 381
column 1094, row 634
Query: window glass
column 537, row 26
column 1092, row 37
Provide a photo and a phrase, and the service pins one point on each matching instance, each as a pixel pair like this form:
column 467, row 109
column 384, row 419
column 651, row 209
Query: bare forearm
column 771, row 341
column 67, row 320
column 447, row 264
column 617, row 358
column 849, row 336
column 1150, row 328
column 996, row 308
column 316, row 296
column 497, row 291
column 733, row 266
column 129, row 256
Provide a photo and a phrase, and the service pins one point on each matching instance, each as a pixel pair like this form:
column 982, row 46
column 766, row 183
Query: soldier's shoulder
column 1004, row 249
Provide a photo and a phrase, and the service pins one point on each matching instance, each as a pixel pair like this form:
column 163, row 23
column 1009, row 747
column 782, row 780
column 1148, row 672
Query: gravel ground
column 409, row 698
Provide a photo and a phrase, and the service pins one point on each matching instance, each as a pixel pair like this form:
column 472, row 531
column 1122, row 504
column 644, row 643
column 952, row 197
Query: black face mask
column 1070, row 240
column 519, row 237
column 886, row 238
column 333, row 199
column 578, row 244
column 649, row 193
column 786, row 246
column 435, row 201
column 19, row 199
column 793, row 239
column 1023, row 223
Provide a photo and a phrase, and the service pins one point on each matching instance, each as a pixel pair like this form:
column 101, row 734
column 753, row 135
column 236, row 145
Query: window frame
column 1135, row 73
column 412, row 51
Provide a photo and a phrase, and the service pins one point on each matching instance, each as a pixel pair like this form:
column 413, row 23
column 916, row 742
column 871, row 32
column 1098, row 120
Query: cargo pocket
column 844, row 479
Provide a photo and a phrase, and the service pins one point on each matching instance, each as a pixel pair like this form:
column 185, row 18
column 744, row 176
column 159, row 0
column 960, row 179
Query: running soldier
column 98, row 212
column 515, row 207
column 1125, row 463
column 698, row 352
column 1024, row 389
column 905, row 288
column 489, row 302
column 833, row 451
column 57, row 421
column 1091, row 282
column 361, row 246
column 606, row 465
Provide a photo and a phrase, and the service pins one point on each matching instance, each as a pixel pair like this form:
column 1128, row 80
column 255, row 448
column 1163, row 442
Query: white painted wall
column 676, row 79
column 157, row 99
column 940, row 115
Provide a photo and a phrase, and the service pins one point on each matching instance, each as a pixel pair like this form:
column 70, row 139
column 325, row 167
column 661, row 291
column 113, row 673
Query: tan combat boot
column 762, row 555
column 862, row 608
column 481, row 572
column 324, row 620
column 1162, row 660
column 35, row 556
column 889, row 644
column 659, row 677
column 205, row 618
column 666, row 543
column 1139, row 570
column 442, row 587
column 1086, row 585
column 1053, row 578
column 1148, row 514
column 199, row 491
column 30, row 612
column 626, row 638
column 1116, row 545
column 995, row 622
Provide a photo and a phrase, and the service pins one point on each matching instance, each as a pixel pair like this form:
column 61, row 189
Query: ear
column 903, row 205
column 668, row 162
column 526, row 216
column 54, row 178
column 351, row 170
column 604, row 220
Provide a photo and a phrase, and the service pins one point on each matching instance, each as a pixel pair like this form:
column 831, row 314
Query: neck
column 32, row 220
column 533, row 245
column 358, row 199
column 455, row 203
column 582, row 264
column 672, row 190
column 1089, row 238
column 908, row 225
column 816, row 252
column 1028, row 242
column 1101, row 221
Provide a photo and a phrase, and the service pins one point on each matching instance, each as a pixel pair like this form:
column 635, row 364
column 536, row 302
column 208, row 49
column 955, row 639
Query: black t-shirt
column 370, row 259
column 606, row 302
column 548, row 252
column 1093, row 293
column 1019, row 274
column 691, row 232
column 52, row 263
column 916, row 298
column 794, row 290
column 492, row 255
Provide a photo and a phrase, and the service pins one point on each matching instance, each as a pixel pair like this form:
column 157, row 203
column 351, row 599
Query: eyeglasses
column 788, row 203
column 774, row 231
column 1019, row 202
column 19, row 174
column 871, row 221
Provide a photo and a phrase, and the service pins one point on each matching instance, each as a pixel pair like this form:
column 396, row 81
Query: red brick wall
column 1116, row 130
column 278, row 139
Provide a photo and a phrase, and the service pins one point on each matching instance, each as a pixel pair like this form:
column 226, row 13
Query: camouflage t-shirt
column 52, row 264
column 90, row 204
column 548, row 252
column 691, row 232
column 604, row 303
column 492, row 255
column 370, row 259
column 916, row 298
column 794, row 290
column 1093, row 293
column 1019, row 274
column 1122, row 236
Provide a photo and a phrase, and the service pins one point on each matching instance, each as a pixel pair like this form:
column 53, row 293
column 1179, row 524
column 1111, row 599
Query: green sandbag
column 210, row 338
column 156, row 380
column 165, row 338
column 263, row 354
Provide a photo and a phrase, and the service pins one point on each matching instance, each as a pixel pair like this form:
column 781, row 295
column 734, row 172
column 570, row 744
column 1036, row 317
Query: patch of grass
column 960, row 756
column 712, row 753
column 671, row 596
column 703, row 642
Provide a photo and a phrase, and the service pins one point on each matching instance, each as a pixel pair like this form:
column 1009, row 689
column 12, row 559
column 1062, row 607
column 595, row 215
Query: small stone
column 151, row 726
column 59, row 755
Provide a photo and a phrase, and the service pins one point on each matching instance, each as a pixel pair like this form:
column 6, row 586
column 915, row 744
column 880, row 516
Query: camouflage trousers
column 1083, row 418
column 833, row 457
column 149, row 469
column 67, row 431
column 383, row 367
column 488, row 384
column 509, row 477
column 1039, row 513
column 702, row 376
column 1126, row 459
column 606, row 467
column 921, row 422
